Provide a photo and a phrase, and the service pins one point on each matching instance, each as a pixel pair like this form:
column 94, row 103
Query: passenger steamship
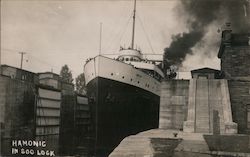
column 124, row 96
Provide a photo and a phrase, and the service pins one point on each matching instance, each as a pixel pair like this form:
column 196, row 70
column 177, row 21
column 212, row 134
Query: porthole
column 138, row 82
column 123, row 77
column 111, row 74
column 131, row 80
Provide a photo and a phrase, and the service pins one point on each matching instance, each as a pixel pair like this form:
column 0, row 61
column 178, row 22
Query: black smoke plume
column 200, row 14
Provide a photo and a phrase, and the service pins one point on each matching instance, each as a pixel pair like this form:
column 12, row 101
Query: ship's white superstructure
column 128, row 68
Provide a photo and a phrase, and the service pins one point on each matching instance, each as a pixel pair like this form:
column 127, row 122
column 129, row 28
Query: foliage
column 80, row 84
column 66, row 74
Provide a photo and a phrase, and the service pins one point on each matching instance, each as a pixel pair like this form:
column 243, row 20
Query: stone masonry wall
column 235, row 61
column 240, row 98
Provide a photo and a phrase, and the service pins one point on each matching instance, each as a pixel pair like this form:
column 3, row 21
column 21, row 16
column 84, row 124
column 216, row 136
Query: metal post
column 22, row 53
column 100, row 44
column 133, row 30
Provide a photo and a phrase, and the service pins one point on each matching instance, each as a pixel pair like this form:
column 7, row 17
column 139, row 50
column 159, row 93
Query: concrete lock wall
column 82, row 125
column 75, row 122
column 205, row 97
column 17, row 112
column 173, row 104
column 194, row 102
column 50, row 82
column 67, row 121
column 43, row 113
column 48, row 106
column 29, row 113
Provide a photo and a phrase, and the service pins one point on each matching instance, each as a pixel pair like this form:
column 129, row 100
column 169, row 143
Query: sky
column 57, row 32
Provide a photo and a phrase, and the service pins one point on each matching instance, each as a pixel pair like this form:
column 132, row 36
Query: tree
column 66, row 74
column 80, row 84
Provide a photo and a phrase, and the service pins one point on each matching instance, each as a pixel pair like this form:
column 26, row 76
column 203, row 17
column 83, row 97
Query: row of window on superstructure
column 134, row 59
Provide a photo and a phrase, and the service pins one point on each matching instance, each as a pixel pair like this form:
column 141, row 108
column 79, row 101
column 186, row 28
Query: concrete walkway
column 168, row 143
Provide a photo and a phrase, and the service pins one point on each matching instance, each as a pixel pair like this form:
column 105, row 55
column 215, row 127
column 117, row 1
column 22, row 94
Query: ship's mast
column 133, row 29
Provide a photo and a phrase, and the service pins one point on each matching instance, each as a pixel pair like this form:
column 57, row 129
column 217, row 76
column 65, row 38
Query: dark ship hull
column 119, row 110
